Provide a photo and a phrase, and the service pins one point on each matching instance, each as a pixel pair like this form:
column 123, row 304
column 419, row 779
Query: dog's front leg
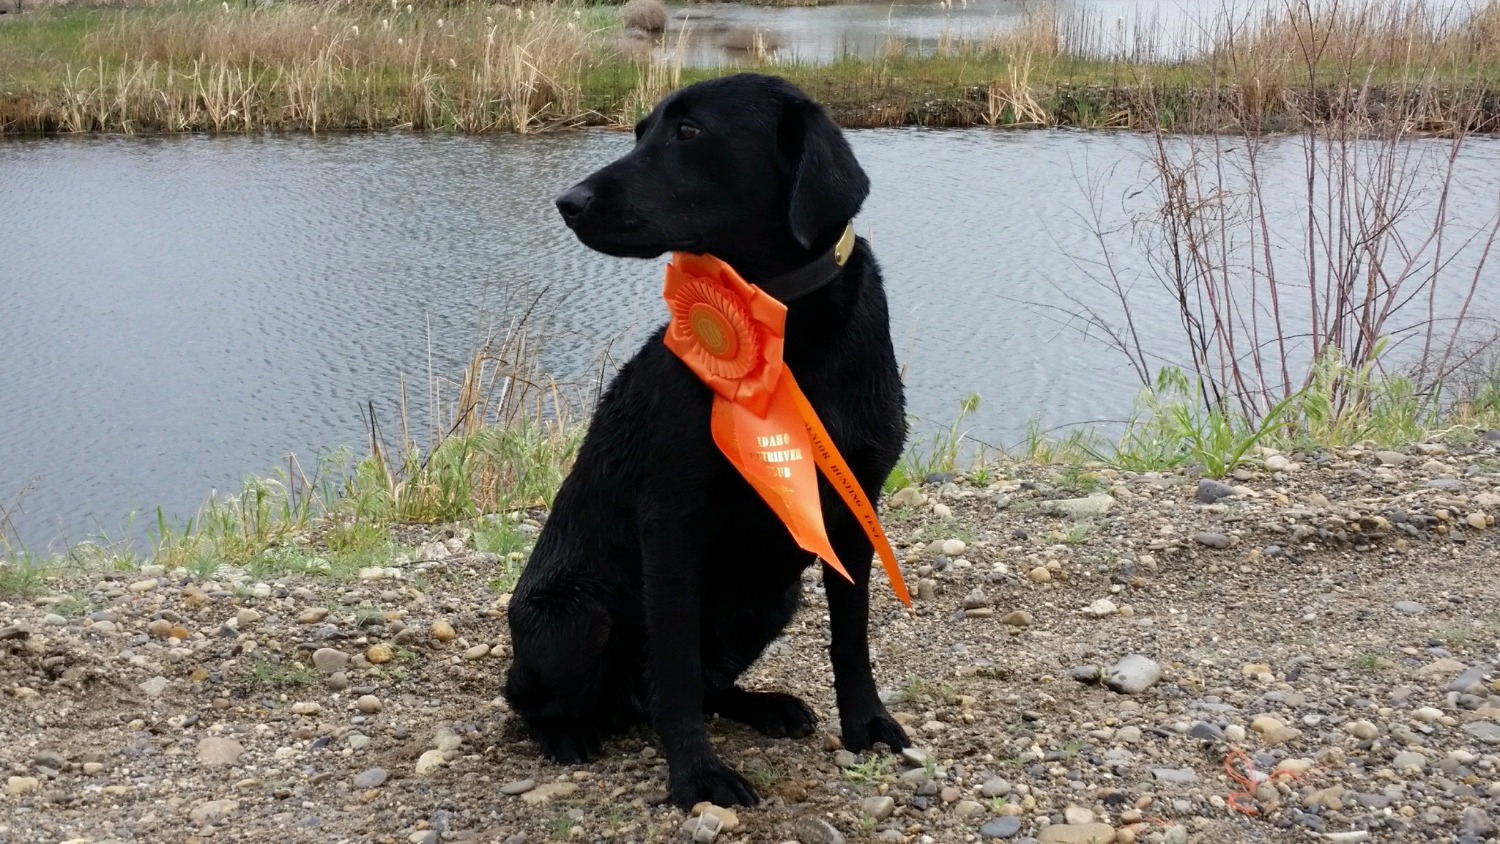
column 863, row 719
column 673, row 565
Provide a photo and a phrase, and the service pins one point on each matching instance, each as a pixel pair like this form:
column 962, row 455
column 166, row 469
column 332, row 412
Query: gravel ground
column 1089, row 650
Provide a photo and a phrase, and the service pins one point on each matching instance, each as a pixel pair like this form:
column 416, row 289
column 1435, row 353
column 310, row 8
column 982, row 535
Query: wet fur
column 660, row 576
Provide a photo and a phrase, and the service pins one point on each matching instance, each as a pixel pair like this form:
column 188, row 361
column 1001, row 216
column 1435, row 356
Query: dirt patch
column 1338, row 620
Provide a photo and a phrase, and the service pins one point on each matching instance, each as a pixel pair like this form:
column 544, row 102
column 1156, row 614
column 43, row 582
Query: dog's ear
column 828, row 185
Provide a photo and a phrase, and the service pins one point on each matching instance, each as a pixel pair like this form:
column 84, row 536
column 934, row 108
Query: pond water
column 718, row 34
column 175, row 313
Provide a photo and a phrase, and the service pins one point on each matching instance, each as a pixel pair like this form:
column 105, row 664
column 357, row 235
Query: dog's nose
column 573, row 202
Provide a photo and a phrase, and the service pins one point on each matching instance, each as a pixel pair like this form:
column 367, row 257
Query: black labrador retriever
column 660, row 575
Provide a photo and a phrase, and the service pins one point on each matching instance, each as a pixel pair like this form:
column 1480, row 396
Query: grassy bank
column 199, row 66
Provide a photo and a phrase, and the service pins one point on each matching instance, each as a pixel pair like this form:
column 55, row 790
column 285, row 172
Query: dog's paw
column 773, row 714
column 569, row 746
column 863, row 733
column 717, row 783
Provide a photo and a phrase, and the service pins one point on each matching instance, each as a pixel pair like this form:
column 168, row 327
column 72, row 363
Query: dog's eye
column 687, row 131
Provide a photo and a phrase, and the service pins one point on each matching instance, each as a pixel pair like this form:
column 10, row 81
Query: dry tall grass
column 293, row 66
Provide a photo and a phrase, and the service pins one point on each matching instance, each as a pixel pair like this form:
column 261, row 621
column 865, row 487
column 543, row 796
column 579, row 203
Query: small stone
column 1088, row 833
column 1205, row 731
column 143, row 585
column 878, row 808
column 330, row 660
column 1017, row 618
column 1409, row 759
column 443, row 631
column 954, row 547
column 338, row 681
column 1428, row 714
column 368, row 704
column 975, row 599
column 1081, row 509
column 1211, row 540
column 516, row 787
column 813, row 830
column 155, row 686
column 1391, row 458
column 1330, row 798
column 213, row 810
column 306, row 707
column 247, row 617
column 1234, row 734
column 1362, row 730
column 430, row 761
column 1409, row 607
column 380, row 653
column 358, row 741
column 1277, row 463
column 1101, row 608
column 1078, row 815
column 1210, row 491
column 1484, row 731
column 160, row 628
column 845, row 759
column 1476, row 822
column 916, row 757
column 1006, row 827
column 1478, row 521
column 17, row 786
column 1179, row 776
column 546, row 792
column 926, row 589
column 1040, row 574
column 313, row 615
column 370, row 778
column 1133, row 674
column 1087, row 674
column 704, row 828
column 995, row 787
column 218, row 752
column 1273, row 730
column 92, row 768
column 478, row 651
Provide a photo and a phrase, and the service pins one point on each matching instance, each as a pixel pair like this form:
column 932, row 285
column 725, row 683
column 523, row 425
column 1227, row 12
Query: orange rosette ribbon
column 731, row 334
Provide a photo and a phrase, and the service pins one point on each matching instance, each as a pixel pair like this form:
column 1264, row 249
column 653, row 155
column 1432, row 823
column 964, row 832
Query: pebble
column 1006, row 827
column 1133, row 674
column 16, row 786
column 370, row 778
column 1078, row 815
column 1087, row 674
column 1428, row 714
column 1211, row 491
column 845, row 759
column 217, row 751
column 1363, row 730
column 160, row 628
column 1476, row 822
column 1390, row 458
column 141, row 586
column 155, row 686
column 368, row 704
column 811, row 830
column 916, row 757
column 704, row 829
column 1206, row 732
column 1277, row 463
column 1040, row 574
column 1407, row 759
column 1101, row 608
column 306, row 707
column 1179, row 776
column 518, row 787
column 1088, row 833
column 313, row 615
column 1273, row 730
column 430, row 761
column 1484, row 731
column 1017, row 618
column 546, row 792
column 878, row 808
column 1234, row 733
column 954, row 547
column 443, row 631
column 995, row 787
column 478, row 651
column 1409, row 607
column 1081, row 509
column 330, row 660
column 213, row 810
column 1211, row 540
column 379, row 654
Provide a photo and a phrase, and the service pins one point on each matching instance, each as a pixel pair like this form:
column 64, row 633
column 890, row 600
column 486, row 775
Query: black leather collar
column 809, row 277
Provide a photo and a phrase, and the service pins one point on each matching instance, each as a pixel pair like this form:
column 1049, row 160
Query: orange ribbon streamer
column 731, row 334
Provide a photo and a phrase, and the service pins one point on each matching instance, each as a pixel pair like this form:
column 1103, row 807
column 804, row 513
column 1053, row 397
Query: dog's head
column 746, row 168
